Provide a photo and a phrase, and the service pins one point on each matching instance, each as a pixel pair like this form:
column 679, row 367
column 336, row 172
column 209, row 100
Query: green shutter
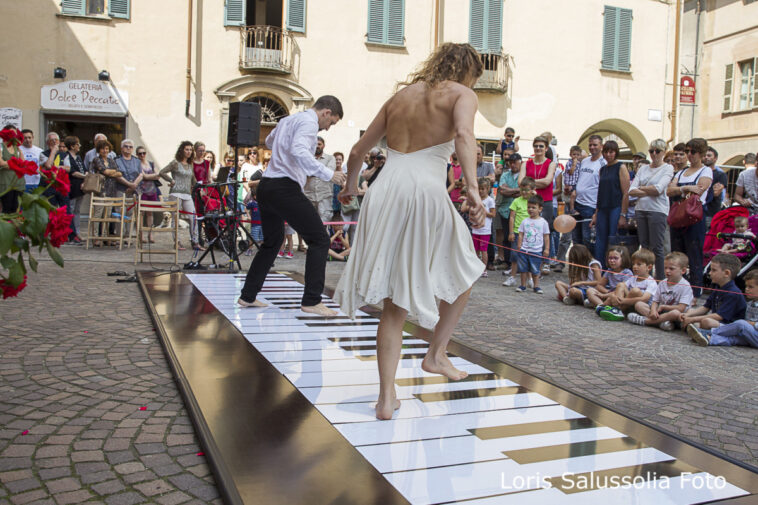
column 72, row 7
column 234, row 13
column 476, row 24
column 617, row 39
column 728, row 87
column 376, row 22
column 494, row 26
column 296, row 15
column 395, row 22
column 118, row 9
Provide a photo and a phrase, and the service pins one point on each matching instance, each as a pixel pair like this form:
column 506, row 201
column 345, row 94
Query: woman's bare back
column 418, row 117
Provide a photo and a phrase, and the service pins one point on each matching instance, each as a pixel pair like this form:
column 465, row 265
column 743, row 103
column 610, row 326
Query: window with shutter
column 617, row 39
column 234, row 13
column 386, row 22
column 75, row 7
column 296, row 15
column 494, row 26
column 755, row 83
column 118, row 9
column 486, row 25
column 728, row 86
column 476, row 24
column 745, row 85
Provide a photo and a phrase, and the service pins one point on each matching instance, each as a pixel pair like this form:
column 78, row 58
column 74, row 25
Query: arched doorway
column 272, row 111
column 630, row 139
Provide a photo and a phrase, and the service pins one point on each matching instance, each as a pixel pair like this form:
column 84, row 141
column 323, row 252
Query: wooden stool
column 108, row 204
column 144, row 206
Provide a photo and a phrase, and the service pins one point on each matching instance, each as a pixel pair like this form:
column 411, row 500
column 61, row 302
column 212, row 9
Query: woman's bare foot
column 320, row 309
column 384, row 410
column 442, row 366
column 254, row 303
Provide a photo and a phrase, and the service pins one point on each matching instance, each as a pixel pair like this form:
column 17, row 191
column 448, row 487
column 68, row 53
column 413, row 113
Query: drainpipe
column 697, row 64
column 436, row 22
column 189, row 59
column 675, row 92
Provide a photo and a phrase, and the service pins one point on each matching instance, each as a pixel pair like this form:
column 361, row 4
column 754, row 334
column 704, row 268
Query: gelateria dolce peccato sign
column 84, row 96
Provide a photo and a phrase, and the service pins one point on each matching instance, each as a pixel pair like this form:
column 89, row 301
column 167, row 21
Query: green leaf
column 55, row 255
column 27, row 199
column 20, row 261
column 7, row 235
column 33, row 262
column 15, row 274
column 36, row 219
column 7, row 262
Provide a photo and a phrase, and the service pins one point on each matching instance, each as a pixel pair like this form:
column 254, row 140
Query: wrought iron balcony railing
column 497, row 73
column 267, row 48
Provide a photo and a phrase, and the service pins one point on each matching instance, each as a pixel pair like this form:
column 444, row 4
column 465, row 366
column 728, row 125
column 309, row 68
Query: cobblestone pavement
column 89, row 410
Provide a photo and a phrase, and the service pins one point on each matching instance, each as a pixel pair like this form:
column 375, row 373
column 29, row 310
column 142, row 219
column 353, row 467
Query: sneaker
column 484, row 274
column 699, row 335
column 587, row 303
column 289, row 255
column 546, row 269
column 521, row 289
column 510, row 281
column 635, row 318
column 666, row 326
column 611, row 314
column 538, row 290
column 567, row 300
column 281, row 254
column 600, row 307
column 558, row 267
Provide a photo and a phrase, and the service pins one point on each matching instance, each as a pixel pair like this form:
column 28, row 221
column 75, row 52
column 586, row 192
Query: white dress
column 410, row 245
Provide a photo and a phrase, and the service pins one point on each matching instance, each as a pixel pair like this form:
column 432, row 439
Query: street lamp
column 104, row 75
column 59, row 73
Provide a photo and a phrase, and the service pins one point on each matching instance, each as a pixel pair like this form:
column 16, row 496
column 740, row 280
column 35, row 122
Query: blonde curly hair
column 449, row 62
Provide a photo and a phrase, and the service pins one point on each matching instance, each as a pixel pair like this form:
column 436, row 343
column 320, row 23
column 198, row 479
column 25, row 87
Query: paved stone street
column 89, row 410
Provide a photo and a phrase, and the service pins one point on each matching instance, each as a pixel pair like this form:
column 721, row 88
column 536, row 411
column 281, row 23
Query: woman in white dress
column 412, row 250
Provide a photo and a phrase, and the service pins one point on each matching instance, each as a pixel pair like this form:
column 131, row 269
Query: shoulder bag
column 688, row 211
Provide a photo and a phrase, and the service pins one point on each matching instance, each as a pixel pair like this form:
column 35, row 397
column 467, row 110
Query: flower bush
column 35, row 223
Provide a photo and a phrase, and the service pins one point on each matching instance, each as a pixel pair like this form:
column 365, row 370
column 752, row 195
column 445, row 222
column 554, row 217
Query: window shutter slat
column 118, row 9
column 72, row 7
column 395, row 22
column 376, row 21
column 494, row 26
column 296, row 15
column 624, row 47
column 728, row 80
column 476, row 24
column 234, row 13
column 609, row 38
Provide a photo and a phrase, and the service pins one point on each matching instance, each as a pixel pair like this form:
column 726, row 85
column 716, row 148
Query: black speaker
column 244, row 124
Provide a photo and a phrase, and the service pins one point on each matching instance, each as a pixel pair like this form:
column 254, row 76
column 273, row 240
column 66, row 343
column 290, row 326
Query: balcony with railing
column 266, row 48
column 496, row 74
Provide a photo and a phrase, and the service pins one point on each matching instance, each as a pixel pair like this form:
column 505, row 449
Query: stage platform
column 283, row 403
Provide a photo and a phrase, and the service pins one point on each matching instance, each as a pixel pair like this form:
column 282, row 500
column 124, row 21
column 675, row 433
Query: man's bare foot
column 384, row 410
column 320, row 309
column 254, row 303
column 443, row 367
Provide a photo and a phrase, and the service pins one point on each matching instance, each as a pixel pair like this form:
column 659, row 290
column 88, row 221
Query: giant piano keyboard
column 484, row 440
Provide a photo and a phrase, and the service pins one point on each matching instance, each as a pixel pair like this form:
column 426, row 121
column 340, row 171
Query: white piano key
column 308, row 345
column 256, row 338
column 324, row 354
column 366, row 375
column 356, row 364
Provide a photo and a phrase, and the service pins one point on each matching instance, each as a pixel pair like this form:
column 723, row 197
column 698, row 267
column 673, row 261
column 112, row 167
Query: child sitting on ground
column 739, row 244
column 339, row 246
column 584, row 272
column 638, row 288
column 673, row 296
column 726, row 303
column 533, row 240
column 518, row 213
column 741, row 332
column 482, row 235
column 618, row 261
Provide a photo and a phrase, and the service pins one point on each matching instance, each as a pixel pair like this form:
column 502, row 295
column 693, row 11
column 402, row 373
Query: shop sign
column 85, row 96
column 12, row 116
column 687, row 90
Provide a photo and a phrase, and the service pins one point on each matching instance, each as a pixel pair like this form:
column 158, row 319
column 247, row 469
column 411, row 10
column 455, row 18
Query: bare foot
column 320, row 309
column 443, row 367
column 254, row 303
column 384, row 410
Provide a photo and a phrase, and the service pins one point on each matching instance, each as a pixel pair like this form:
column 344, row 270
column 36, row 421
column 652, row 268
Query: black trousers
column 280, row 200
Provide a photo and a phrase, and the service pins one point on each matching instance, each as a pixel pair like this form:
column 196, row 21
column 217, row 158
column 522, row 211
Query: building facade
column 172, row 68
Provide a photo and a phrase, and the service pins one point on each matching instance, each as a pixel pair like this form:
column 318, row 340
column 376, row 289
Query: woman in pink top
column 455, row 181
column 542, row 170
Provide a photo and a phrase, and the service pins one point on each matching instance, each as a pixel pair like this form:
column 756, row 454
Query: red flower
column 62, row 183
column 22, row 167
column 12, row 136
column 58, row 226
column 9, row 290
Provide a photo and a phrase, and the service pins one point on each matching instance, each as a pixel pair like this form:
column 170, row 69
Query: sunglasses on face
column 656, row 151
column 141, row 154
column 538, row 147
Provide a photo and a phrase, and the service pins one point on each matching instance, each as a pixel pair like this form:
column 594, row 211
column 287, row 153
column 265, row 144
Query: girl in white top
column 584, row 272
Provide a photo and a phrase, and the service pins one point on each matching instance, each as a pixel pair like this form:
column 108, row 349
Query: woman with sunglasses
column 612, row 199
column 649, row 187
column 542, row 169
column 692, row 181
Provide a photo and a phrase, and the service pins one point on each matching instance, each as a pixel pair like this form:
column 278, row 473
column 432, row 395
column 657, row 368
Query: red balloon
column 564, row 223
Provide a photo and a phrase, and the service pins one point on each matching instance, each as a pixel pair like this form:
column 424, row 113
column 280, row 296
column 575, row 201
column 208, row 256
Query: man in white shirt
column 31, row 153
column 92, row 153
column 318, row 191
column 280, row 198
column 586, row 189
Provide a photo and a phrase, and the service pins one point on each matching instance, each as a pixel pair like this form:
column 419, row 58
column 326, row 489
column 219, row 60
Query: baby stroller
column 721, row 231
